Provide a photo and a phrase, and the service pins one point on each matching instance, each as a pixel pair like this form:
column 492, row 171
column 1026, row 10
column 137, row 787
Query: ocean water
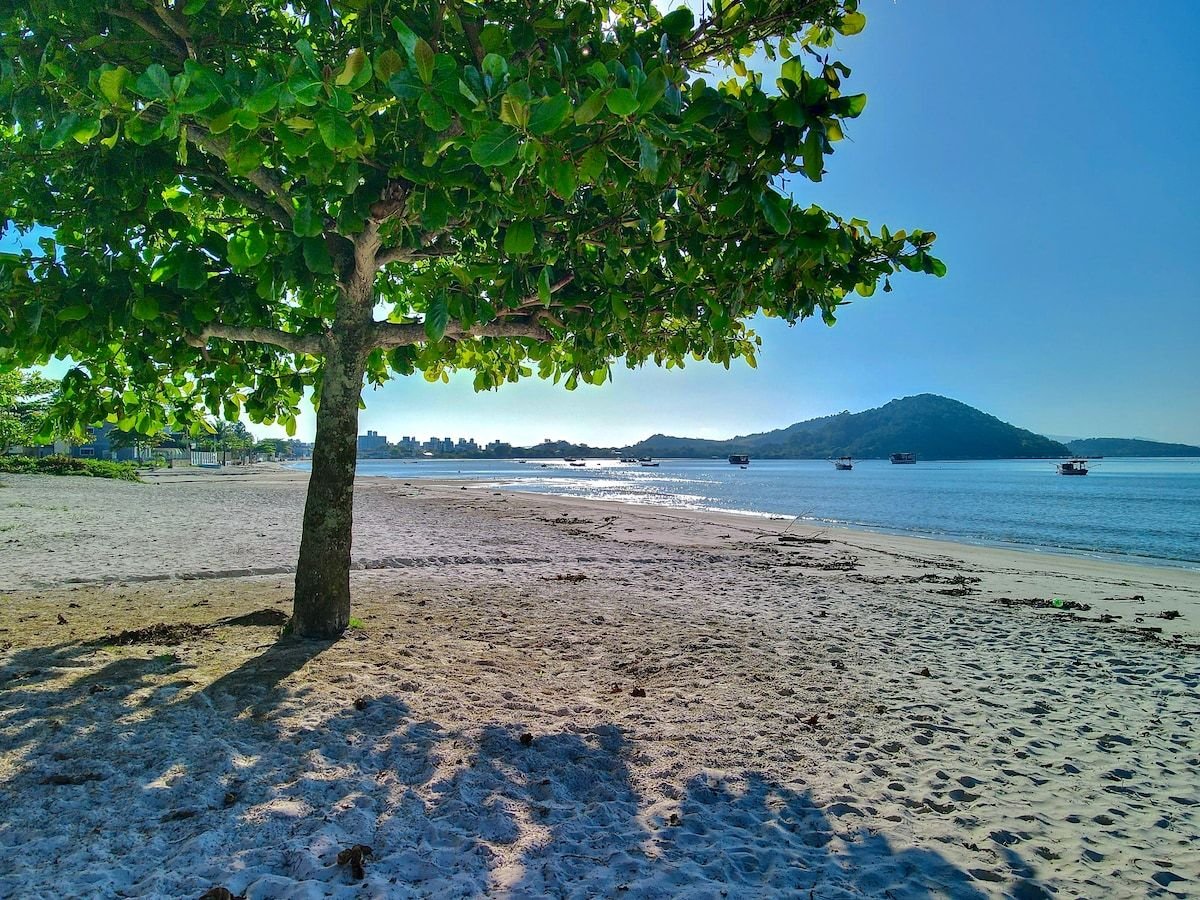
column 1147, row 509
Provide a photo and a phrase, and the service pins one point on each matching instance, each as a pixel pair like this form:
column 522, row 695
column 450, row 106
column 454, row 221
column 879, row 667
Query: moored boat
column 902, row 459
column 739, row 459
column 1077, row 466
column 843, row 464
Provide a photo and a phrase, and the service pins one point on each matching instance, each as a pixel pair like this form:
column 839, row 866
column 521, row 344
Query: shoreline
column 551, row 696
column 1090, row 554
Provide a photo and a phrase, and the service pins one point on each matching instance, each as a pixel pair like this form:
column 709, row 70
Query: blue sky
column 1053, row 148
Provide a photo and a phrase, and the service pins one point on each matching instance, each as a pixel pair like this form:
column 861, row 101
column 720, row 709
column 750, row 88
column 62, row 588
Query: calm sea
column 1145, row 508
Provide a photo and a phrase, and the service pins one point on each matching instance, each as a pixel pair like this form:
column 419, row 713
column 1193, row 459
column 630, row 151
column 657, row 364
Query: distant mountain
column 1129, row 447
column 930, row 426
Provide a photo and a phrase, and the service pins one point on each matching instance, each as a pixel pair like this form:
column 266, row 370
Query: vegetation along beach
column 705, row 597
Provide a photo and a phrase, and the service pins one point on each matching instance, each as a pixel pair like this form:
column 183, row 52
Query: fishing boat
column 628, row 459
column 739, row 459
column 902, row 459
column 1077, row 466
column 843, row 464
column 648, row 462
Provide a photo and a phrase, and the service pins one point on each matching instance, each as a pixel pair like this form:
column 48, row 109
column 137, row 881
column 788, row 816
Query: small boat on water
column 1075, row 466
column 902, row 459
column 648, row 462
column 739, row 459
column 570, row 459
column 628, row 459
column 843, row 464
column 579, row 464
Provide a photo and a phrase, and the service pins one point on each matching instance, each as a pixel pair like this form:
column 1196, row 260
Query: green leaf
column 307, row 223
column 495, row 146
column 352, row 73
column 759, row 127
column 387, row 64
column 814, row 158
column 853, row 23
column 112, row 82
column 852, row 105
column 263, row 101
column 154, row 83
column 592, row 165
column 774, row 209
column 543, row 286
column 142, row 132
column 335, row 131
column 590, row 108
column 145, row 309
column 304, row 48
column 550, row 114
column 679, row 23
column 648, row 156
column 518, row 238
column 316, row 256
column 434, row 114
column 423, row 57
column 73, row 313
column 437, row 317
column 560, row 176
column 622, row 102
column 247, row 248
column 652, row 90
column 408, row 38
column 192, row 275
column 495, row 66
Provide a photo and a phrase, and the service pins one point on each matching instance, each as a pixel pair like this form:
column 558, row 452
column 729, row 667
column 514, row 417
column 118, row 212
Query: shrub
column 66, row 465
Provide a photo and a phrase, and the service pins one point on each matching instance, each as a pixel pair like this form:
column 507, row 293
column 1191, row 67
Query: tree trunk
column 322, row 601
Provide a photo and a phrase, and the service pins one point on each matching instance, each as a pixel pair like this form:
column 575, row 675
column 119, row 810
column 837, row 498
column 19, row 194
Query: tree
column 24, row 401
column 251, row 199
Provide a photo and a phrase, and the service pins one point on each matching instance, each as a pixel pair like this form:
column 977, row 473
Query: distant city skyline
column 1053, row 148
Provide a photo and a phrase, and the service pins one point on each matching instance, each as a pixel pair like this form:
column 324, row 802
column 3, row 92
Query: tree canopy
column 248, row 199
column 24, row 401
column 524, row 187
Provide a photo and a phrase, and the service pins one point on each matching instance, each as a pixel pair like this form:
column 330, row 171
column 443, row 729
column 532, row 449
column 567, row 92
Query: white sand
column 786, row 745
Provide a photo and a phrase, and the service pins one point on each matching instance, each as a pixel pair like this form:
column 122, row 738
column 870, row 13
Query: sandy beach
column 553, row 697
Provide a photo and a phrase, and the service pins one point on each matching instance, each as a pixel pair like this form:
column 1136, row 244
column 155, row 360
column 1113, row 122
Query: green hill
column 930, row 426
column 1129, row 447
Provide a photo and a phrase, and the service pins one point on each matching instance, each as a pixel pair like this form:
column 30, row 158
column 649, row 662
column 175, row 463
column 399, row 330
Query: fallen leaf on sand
column 62, row 620
column 924, row 673
column 638, row 692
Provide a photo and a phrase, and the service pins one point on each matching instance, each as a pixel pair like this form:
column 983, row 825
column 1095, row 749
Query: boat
column 739, row 459
column 579, row 464
column 569, row 459
column 843, row 464
column 628, row 459
column 1076, row 466
column 902, row 459
column 648, row 462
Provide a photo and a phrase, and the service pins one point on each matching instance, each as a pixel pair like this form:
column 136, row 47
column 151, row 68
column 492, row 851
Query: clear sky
column 1054, row 148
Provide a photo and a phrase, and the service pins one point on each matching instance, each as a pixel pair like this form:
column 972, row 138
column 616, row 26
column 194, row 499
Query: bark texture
column 322, row 600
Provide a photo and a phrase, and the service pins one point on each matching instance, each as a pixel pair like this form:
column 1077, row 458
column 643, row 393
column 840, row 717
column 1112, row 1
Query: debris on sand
column 354, row 858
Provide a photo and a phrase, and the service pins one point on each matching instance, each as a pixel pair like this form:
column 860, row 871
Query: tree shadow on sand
column 143, row 788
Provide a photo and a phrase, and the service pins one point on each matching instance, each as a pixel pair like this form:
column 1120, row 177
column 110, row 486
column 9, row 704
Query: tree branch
column 148, row 26
column 388, row 335
column 308, row 344
column 248, row 199
column 260, row 177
